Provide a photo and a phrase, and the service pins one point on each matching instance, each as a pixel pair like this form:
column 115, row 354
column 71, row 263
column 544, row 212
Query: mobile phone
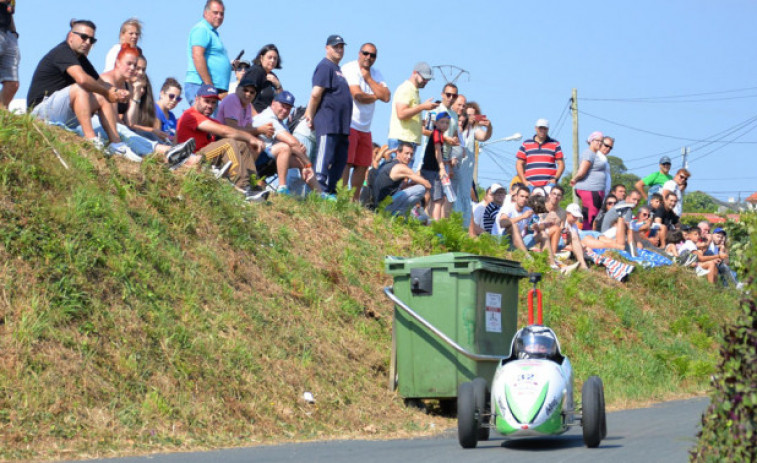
column 479, row 117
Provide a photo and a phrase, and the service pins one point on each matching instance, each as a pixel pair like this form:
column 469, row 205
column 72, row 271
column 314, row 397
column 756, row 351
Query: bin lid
column 455, row 262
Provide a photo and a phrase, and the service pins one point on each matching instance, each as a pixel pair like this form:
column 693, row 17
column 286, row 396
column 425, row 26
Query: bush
column 728, row 426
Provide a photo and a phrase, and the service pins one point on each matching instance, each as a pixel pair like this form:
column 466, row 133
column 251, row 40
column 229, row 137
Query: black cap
column 335, row 39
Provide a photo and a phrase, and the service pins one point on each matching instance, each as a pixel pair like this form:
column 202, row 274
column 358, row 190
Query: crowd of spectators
column 244, row 123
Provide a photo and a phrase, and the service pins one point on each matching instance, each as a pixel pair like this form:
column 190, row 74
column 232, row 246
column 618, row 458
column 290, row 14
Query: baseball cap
column 285, row 97
column 574, row 210
column 424, row 70
column 335, row 39
column 496, row 187
column 442, row 115
column 719, row 230
column 208, row 91
column 248, row 81
column 542, row 123
column 594, row 136
column 665, row 160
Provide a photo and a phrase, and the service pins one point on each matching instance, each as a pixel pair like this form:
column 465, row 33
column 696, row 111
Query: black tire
column 467, row 422
column 603, row 428
column 591, row 414
column 480, row 397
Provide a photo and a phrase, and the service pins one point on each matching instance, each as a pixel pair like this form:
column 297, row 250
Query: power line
column 700, row 100
column 672, row 96
column 658, row 133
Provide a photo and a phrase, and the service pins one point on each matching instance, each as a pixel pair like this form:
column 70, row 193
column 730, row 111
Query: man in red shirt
column 220, row 144
column 540, row 159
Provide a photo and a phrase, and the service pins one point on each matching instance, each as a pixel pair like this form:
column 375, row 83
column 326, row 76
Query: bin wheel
column 467, row 419
column 480, row 397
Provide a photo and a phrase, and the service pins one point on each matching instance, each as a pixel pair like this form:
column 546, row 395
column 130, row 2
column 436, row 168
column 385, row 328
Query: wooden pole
column 475, row 161
column 574, row 111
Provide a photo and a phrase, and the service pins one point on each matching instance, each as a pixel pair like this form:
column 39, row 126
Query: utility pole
column 476, row 147
column 685, row 154
column 574, row 111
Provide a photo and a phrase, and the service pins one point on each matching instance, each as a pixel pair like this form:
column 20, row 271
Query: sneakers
column 328, row 197
column 569, row 269
column 283, row 190
column 256, row 196
column 97, row 141
column 120, row 149
column 177, row 155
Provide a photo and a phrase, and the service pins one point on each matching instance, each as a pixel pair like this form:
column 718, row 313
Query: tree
column 698, row 201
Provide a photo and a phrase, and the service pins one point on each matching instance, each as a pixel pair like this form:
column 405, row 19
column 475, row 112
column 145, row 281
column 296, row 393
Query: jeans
column 404, row 200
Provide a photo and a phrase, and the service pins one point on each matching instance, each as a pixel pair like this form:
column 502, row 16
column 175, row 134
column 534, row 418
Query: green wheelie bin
column 470, row 300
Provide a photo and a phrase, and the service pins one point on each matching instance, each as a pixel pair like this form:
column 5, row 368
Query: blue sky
column 523, row 59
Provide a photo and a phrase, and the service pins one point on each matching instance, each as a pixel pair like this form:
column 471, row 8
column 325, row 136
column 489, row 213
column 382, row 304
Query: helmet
column 534, row 342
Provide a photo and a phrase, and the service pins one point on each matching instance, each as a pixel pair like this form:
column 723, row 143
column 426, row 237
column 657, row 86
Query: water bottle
column 448, row 191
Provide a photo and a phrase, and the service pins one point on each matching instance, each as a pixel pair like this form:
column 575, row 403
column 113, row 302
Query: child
column 705, row 265
column 655, row 201
column 434, row 169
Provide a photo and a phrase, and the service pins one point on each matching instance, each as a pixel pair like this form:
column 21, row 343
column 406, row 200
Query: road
column 661, row 433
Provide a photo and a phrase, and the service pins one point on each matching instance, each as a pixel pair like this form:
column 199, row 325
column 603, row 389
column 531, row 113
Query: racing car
column 531, row 395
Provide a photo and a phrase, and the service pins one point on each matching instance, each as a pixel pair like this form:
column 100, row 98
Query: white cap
column 495, row 186
column 542, row 123
column 574, row 210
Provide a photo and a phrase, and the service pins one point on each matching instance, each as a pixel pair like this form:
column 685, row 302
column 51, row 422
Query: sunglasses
column 173, row 96
column 86, row 38
column 611, row 203
column 367, row 53
column 607, row 146
column 450, row 95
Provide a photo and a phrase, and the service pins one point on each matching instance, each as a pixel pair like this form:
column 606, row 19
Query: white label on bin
column 494, row 312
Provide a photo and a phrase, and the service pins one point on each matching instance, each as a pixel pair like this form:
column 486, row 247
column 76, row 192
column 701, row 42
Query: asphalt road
column 661, row 433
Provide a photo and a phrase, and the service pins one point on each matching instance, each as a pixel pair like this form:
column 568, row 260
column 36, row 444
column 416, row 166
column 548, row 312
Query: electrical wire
column 658, row 133
column 669, row 97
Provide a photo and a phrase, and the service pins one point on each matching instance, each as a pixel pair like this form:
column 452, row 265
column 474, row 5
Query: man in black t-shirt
column 66, row 89
column 665, row 216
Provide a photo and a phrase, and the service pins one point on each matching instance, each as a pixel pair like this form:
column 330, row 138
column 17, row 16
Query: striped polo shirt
column 541, row 160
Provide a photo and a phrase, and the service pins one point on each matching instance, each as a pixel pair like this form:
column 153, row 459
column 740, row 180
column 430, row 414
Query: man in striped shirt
column 540, row 159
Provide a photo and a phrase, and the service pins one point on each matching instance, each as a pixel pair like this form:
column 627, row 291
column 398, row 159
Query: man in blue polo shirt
column 329, row 112
column 208, row 62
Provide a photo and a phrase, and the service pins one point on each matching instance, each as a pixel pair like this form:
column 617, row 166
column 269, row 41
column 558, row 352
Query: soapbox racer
column 531, row 395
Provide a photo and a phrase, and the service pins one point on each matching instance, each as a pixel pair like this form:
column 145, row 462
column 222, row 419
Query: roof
column 752, row 199
column 713, row 218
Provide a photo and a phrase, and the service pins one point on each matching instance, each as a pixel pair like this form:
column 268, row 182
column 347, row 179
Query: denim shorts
column 9, row 57
column 56, row 109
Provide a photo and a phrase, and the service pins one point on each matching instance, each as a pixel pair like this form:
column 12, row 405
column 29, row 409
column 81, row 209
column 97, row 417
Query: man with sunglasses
column 66, row 89
column 366, row 86
column 329, row 112
column 677, row 185
column 539, row 161
column 655, row 180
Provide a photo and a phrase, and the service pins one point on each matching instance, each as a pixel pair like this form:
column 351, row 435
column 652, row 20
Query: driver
column 533, row 343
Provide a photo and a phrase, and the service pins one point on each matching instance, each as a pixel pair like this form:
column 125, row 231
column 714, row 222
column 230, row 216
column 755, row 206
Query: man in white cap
column 405, row 123
column 540, row 159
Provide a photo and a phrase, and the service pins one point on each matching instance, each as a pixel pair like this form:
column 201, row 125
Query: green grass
column 142, row 310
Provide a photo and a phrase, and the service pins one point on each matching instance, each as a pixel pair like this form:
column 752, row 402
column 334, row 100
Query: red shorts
column 360, row 152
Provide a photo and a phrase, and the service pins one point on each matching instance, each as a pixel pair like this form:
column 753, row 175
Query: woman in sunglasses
column 170, row 96
column 610, row 201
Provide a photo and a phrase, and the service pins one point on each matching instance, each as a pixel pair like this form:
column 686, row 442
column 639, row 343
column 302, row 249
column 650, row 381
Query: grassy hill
column 142, row 310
